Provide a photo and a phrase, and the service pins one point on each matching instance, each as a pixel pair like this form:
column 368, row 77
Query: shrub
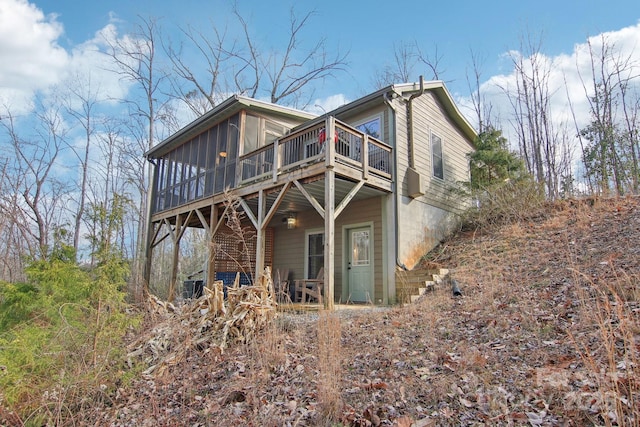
column 505, row 203
column 60, row 334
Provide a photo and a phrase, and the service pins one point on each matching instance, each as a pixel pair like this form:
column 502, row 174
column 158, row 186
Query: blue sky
column 369, row 32
column 46, row 44
column 57, row 38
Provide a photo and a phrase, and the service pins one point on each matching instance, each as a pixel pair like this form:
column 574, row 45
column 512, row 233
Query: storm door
column 360, row 264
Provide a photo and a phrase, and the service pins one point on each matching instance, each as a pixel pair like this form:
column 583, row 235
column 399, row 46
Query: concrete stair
column 414, row 284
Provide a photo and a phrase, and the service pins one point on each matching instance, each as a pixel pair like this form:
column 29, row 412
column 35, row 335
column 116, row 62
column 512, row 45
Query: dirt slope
column 546, row 333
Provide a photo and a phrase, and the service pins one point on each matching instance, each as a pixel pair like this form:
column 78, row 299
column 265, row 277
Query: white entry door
column 360, row 264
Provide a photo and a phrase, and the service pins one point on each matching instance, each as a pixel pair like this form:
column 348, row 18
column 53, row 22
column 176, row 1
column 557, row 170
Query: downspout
column 412, row 150
column 396, row 203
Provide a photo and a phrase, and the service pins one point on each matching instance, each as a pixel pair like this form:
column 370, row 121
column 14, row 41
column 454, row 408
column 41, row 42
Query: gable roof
column 236, row 103
column 407, row 89
column 224, row 110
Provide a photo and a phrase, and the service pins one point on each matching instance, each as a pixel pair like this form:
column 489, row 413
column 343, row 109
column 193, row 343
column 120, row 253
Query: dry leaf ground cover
column 547, row 332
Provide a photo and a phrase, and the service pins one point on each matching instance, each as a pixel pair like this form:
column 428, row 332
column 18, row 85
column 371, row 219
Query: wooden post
column 175, row 236
column 211, row 271
column 260, row 234
column 276, row 161
column 329, row 236
column 365, row 157
column 329, row 142
column 148, row 250
column 148, row 256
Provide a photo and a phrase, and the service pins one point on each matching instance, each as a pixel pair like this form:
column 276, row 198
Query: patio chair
column 281, row 286
column 311, row 288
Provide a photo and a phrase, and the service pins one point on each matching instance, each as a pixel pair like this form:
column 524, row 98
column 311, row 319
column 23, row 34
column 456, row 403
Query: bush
column 60, row 335
column 17, row 303
column 504, row 203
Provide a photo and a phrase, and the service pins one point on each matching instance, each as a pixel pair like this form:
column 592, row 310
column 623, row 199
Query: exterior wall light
column 291, row 220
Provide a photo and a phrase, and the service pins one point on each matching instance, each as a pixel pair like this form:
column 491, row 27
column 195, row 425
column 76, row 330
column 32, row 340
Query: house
column 356, row 192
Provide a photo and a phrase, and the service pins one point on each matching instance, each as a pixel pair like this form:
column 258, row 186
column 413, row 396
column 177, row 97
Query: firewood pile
column 211, row 321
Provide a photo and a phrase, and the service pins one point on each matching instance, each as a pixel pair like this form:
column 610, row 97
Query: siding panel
column 289, row 245
column 424, row 220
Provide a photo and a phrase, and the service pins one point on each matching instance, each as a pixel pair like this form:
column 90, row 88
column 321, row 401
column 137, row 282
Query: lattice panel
column 233, row 254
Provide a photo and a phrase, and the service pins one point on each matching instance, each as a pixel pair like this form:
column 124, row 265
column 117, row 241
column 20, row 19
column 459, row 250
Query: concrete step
column 429, row 285
column 414, row 281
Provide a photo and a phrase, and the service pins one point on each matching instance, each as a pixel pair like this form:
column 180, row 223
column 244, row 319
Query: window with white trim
column 315, row 253
column 371, row 126
column 437, row 160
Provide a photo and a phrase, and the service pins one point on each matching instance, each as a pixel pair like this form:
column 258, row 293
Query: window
column 371, row 127
column 259, row 132
column 251, row 133
column 315, row 254
column 360, row 248
column 436, row 156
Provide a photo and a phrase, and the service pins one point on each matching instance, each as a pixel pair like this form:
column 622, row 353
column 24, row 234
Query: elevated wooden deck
column 302, row 156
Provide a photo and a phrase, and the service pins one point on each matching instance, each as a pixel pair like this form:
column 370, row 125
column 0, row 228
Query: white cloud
column 567, row 76
column 322, row 105
column 31, row 58
column 35, row 62
column 89, row 61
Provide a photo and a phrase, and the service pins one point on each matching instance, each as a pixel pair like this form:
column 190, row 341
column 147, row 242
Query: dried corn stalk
column 210, row 321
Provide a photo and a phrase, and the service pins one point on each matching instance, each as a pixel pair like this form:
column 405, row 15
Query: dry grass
column 547, row 332
column 329, row 366
column 610, row 351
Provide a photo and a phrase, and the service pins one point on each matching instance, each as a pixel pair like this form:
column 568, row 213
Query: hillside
column 547, row 332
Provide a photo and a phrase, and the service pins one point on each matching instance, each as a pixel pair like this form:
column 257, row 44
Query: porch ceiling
column 295, row 201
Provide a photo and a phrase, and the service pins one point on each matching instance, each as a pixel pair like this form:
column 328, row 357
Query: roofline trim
column 224, row 105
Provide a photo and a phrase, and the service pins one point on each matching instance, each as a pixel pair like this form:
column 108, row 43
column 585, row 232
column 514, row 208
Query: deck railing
column 312, row 145
column 352, row 147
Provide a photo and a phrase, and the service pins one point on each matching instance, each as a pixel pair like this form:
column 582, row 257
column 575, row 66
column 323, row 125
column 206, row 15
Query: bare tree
column 37, row 209
column 432, row 62
column 106, row 183
column 626, row 74
column 481, row 107
column 135, row 60
column 81, row 105
column 290, row 72
column 610, row 148
column 407, row 57
column 532, row 120
column 200, row 94
column 12, row 243
column 402, row 68
column 244, row 66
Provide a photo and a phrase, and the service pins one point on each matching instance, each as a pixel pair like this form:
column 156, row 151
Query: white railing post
column 276, row 161
column 365, row 156
column 330, row 143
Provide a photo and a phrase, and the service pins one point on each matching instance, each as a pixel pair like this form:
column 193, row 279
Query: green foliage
column 608, row 157
column 500, row 186
column 106, row 222
column 61, row 330
column 59, row 280
column 492, row 163
column 16, row 303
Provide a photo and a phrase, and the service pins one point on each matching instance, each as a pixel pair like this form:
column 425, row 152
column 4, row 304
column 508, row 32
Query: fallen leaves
column 523, row 346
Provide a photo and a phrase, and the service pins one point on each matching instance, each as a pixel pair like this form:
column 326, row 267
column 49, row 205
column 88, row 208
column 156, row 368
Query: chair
column 311, row 288
column 281, row 285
